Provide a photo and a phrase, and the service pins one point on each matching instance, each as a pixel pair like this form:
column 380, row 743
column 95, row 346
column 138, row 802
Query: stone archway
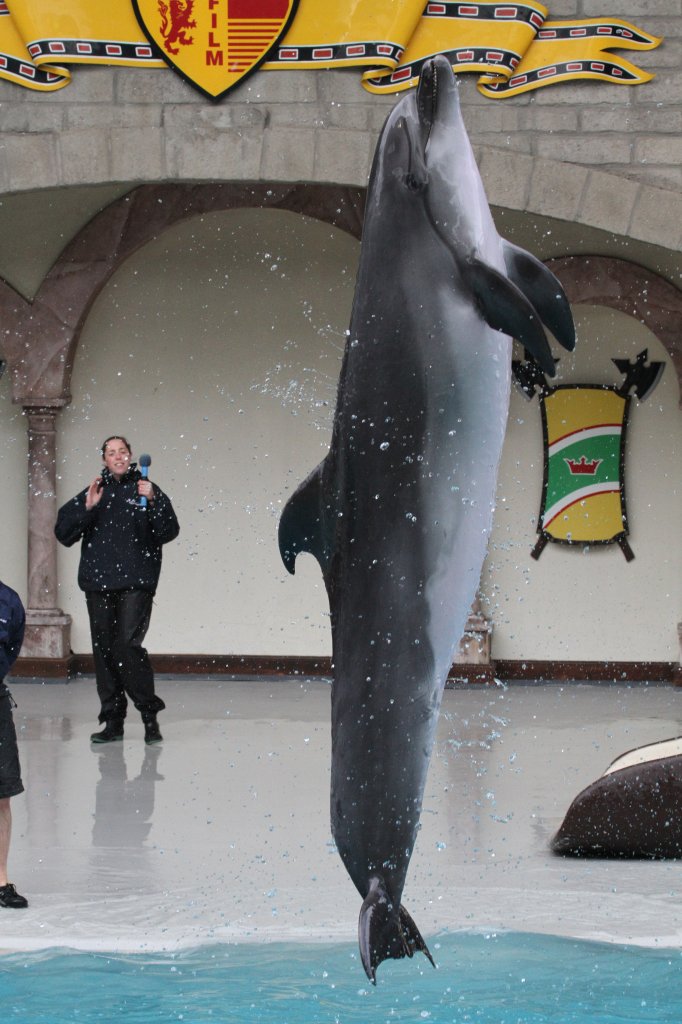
column 631, row 289
column 604, row 281
column 41, row 338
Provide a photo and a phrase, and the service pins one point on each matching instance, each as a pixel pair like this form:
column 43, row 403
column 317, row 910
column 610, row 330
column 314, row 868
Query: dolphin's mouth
column 416, row 178
column 433, row 83
column 427, row 99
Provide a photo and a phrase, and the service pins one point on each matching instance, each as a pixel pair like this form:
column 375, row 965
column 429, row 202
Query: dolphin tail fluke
column 505, row 308
column 415, row 942
column 543, row 290
column 301, row 527
column 384, row 934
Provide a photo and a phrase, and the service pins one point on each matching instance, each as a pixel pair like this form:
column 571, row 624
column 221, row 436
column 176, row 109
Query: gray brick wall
column 135, row 125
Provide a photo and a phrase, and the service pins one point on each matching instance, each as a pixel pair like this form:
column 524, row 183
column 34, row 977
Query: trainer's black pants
column 10, row 772
column 119, row 620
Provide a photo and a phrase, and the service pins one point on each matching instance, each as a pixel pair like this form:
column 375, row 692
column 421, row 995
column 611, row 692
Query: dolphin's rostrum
column 399, row 512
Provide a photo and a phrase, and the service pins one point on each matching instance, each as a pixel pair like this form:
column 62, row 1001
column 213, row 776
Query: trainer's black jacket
column 122, row 542
column 12, row 623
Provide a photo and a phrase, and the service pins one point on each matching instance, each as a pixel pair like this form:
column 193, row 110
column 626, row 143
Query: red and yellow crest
column 214, row 43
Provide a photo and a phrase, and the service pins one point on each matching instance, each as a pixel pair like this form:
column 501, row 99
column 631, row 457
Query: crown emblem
column 583, row 467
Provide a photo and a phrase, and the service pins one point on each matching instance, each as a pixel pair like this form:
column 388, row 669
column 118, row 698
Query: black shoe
column 9, row 897
column 152, row 733
column 112, row 731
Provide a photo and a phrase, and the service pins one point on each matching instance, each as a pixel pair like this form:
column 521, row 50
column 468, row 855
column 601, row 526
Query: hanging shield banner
column 583, row 500
column 584, row 426
column 214, row 44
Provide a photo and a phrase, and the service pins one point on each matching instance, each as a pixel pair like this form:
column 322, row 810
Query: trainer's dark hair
column 116, row 437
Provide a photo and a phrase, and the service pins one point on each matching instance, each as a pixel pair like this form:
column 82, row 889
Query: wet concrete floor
column 222, row 832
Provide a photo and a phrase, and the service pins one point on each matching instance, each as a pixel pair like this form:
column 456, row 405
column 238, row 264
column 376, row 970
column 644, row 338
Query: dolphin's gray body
column 399, row 512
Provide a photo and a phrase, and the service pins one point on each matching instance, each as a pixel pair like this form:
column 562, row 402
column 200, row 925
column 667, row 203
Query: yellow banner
column 584, row 430
column 513, row 47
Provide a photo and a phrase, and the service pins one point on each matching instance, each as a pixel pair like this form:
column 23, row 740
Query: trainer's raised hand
column 94, row 495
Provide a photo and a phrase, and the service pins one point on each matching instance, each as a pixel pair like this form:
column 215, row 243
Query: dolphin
column 629, row 811
column 399, row 512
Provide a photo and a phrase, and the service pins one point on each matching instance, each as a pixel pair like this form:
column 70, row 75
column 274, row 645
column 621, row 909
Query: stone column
column 474, row 647
column 47, row 644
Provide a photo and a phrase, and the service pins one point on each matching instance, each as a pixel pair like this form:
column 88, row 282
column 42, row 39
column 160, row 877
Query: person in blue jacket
column 119, row 571
column 12, row 623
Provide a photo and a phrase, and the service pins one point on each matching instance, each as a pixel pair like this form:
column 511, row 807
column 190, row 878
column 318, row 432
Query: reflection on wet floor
column 124, row 805
column 222, row 832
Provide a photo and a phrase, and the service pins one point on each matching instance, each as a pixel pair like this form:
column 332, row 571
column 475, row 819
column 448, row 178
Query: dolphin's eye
column 415, row 184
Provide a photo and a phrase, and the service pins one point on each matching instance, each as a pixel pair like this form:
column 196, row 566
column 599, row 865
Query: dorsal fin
column 543, row 290
column 304, row 523
column 504, row 307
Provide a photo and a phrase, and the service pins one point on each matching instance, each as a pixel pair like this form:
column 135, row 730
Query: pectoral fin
column 302, row 526
column 504, row 307
column 543, row 291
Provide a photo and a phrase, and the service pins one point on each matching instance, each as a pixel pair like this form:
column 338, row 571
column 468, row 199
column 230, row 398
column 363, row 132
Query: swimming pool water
column 484, row 979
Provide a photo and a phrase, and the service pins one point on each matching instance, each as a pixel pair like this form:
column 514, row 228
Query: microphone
column 144, row 462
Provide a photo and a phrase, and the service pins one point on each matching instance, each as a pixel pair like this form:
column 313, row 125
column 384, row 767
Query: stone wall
column 136, row 125
column 630, row 131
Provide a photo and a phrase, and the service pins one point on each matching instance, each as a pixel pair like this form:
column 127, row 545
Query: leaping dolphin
column 399, row 512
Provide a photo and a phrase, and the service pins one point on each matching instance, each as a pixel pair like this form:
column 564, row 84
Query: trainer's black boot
column 112, row 731
column 152, row 733
column 9, row 897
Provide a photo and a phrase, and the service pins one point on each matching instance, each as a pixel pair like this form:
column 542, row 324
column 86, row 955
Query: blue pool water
column 494, row 979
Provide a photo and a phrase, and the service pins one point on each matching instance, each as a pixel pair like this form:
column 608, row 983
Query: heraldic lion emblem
column 176, row 19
